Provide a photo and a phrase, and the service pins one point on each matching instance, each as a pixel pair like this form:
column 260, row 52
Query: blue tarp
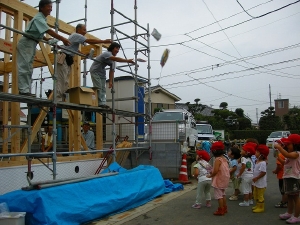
column 170, row 187
column 76, row 203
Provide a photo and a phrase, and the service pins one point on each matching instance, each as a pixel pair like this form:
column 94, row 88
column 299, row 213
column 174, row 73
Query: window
column 280, row 104
column 160, row 105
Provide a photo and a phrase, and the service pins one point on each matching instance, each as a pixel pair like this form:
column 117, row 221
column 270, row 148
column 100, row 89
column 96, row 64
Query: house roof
column 159, row 88
column 207, row 111
column 140, row 80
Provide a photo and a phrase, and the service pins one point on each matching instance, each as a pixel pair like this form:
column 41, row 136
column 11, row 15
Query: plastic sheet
column 73, row 204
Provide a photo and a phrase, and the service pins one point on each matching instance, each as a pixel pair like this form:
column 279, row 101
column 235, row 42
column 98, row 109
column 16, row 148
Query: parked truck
column 205, row 131
column 173, row 125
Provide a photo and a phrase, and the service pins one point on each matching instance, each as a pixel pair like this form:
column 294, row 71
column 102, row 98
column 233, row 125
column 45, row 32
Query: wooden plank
column 23, row 161
column 39, row 60
column 99, row 118
column 77, row 114
column 71, row 117
column 47, row 59
column 2, row 68
column 5, row 89
column 15, row 106
column 29, row 12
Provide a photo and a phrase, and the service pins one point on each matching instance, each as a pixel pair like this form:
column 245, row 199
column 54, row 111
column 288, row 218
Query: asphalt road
column 179, row 211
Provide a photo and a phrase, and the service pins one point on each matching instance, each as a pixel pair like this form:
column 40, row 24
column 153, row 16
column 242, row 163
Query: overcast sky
column 218, row 52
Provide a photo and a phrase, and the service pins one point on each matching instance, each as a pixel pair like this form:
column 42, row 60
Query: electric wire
column 256, row 17
column 211, row 67
column 227, row 17
column 223, row 74
column 226, row 28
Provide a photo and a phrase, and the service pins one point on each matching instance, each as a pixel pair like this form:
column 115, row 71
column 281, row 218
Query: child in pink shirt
column 220, row 176
column 291, row 177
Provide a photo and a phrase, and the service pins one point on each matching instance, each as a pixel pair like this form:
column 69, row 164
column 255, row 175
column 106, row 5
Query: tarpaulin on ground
column 80, row 202
column 170, row 187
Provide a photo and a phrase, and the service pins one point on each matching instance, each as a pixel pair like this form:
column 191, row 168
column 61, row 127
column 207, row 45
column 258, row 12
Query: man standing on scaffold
column 26, row 47
column 98, row 72
column 65, row 59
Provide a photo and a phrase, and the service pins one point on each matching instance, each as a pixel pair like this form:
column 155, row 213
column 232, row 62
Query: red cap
column 203, row 154
column 283, row 141
column 294, row 138
column 249, row 148
column 217, row 146
column 264, row 150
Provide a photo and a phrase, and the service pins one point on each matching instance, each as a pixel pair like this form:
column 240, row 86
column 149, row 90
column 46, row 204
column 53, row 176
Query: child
column 246, row 171
column 253, row 158
column 205, row 145
column 234, row 154
column 279, row 172
column 201, row 169
column 260, row 178
column 220, row 176
column 291, row 177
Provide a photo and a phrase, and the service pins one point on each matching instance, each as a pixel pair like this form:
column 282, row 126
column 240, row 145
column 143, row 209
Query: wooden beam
column 29, row 12
column 71, row 117
column 15, row 106
column 5, row 89
column 39, row 60
column 24, row 162
column 99, row 118
column 2, row 68
column 47, row 59
column 77, row 114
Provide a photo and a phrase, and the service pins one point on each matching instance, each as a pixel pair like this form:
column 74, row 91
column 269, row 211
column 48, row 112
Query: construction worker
column 26, row 47
column 65, row 58
column 98, row 72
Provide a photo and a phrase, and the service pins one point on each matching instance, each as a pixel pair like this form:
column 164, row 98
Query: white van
column 276, row 135
column 173, row 125
column 205, row 131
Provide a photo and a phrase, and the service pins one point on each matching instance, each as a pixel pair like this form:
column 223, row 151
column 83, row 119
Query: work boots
column 219, row 212
column 260, row 207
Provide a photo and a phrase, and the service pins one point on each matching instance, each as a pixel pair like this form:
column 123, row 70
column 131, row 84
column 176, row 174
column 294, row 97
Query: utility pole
column 270, row 94
column 257, row 116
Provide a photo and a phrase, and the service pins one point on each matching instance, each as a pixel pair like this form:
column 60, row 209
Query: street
column 179, row 211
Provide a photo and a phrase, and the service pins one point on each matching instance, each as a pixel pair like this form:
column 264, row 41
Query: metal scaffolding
column 142, row 47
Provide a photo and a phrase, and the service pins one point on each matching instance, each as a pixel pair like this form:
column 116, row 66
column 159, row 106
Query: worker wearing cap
column 26, row 47
column 88, row 136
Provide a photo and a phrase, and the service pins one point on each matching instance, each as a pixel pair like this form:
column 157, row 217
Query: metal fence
column 172, row 131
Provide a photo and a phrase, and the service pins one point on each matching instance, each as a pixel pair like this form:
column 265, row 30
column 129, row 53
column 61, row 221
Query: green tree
column 292, row 119
column 223, row 105
column 195, row 108
column 239, row 112
column 269, row 121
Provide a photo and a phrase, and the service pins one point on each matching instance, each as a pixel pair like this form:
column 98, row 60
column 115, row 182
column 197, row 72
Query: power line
column 210, row 67
column 256, row 17
column 228, row 38
column 237, row 24
column 226, row 18
column 193, row 79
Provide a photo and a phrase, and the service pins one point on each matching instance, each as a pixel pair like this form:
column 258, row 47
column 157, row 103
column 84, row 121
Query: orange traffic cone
column 183, row 175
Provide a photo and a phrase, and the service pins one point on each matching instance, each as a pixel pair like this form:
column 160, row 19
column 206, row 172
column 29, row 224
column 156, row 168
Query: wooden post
column 5, row 88
column 15, row 106
column 99, row 117
column 77, row 114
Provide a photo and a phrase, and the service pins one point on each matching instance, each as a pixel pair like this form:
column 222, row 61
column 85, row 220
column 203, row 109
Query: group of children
column 247, row 169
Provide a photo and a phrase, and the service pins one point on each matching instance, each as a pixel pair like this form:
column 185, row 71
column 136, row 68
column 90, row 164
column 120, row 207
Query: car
column 276, row 135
